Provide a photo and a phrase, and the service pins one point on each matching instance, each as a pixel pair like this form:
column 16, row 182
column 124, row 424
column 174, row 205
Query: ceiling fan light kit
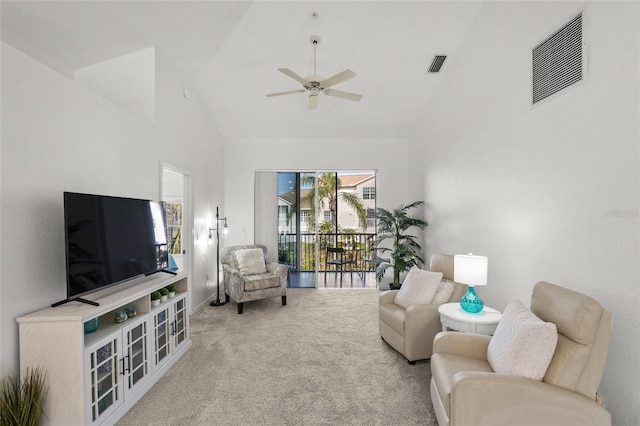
column 316, row 84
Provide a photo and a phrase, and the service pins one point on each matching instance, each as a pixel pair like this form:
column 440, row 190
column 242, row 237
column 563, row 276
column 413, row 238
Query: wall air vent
column 438, row 60
column 558, row 62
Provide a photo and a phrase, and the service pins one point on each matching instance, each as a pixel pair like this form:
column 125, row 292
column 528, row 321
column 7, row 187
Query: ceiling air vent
column 558, row 61
column 438, row 60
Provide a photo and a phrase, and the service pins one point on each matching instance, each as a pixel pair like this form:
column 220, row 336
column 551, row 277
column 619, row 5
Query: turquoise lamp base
column 470, row 302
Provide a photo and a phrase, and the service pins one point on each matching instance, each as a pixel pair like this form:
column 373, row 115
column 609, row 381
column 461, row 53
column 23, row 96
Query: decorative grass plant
column 21, row 403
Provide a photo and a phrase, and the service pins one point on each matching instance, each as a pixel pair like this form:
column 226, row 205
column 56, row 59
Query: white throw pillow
column 251, row 261
column 523, row 344
column 418, row 287
column 444, row 292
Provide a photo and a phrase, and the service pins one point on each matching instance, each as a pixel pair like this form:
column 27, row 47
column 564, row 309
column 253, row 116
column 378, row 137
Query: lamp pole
column 218, row 302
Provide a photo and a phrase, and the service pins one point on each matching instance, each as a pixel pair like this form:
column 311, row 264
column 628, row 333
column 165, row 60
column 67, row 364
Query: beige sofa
column 411, row 331
column 466, row 391
column 245, row 288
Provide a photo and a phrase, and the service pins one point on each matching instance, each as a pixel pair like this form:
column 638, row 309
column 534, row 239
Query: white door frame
column 187, row 220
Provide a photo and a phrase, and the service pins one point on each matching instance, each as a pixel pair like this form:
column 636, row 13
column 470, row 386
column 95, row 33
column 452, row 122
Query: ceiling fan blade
column 294, row 76
column 338, row 78
column 285, row 93
column 343, row 95
column 313, row 102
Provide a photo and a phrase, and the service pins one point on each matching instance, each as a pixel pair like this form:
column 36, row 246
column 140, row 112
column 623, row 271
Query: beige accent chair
column 466, row 391
column 245, row 288
column 411, row 331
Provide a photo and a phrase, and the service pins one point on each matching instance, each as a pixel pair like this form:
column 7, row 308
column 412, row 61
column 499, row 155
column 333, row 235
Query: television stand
column 77, row 299
column 95, row 378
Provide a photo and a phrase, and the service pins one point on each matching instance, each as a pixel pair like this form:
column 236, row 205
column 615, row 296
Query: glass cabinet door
column 161, row 334
column 180, row 324
column 101, row 361
column 136, row 359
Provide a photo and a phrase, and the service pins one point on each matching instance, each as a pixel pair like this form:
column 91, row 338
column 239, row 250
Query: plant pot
column 172, row 294
column 155, row 302
column 394, row 286
column 163, row 298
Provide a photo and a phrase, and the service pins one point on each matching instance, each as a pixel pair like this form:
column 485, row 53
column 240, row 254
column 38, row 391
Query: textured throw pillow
column 444, row 292
column 251, row 261
column 523, row 344
column 418, row 287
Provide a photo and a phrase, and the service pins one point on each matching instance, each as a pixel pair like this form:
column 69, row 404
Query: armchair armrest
column 421, row 314
column 277, row 269
column 231, row 274
column 467, row 344
column 421, row 324
column 229, row 271
column 280, row 270
column 387, row 297
column 480, row 398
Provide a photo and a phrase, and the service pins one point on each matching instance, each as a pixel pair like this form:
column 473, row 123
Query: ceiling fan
column 316, row 84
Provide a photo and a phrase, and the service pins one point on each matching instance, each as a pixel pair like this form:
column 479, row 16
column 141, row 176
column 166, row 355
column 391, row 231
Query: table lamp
column 470, row 270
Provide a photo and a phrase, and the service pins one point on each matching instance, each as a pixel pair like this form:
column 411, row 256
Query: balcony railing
column 359, row 247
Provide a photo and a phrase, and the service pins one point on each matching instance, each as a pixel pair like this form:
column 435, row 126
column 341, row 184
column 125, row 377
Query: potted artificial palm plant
column 405, row 251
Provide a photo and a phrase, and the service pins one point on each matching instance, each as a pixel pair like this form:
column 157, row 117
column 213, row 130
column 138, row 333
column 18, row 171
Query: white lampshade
column 469, row 269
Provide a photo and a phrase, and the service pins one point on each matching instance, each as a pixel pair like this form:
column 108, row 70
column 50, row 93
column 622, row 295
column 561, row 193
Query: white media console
column 95, row 378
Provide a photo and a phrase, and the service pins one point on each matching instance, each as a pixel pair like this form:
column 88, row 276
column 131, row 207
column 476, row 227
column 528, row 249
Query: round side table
column 453, row 317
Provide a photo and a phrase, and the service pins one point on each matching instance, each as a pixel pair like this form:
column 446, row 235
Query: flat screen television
column 110, row 240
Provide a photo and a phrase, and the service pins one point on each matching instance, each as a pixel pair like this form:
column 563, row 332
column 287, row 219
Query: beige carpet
column 317, row 361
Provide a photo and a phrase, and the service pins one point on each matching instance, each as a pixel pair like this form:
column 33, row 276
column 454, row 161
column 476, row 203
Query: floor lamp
column 225, row 230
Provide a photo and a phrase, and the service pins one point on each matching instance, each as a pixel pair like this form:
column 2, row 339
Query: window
column 282, row 212
column 304, row 216
column 282, row 217
column 371, row 218
column 327, row 215
column 369, row 193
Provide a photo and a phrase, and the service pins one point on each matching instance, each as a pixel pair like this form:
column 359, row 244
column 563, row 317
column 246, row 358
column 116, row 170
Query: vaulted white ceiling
column 230, row 51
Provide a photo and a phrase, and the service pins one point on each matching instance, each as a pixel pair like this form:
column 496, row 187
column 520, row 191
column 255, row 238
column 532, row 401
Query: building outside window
column 282, row 216
column 371, row 218
column 304, row 218
column 369, row 193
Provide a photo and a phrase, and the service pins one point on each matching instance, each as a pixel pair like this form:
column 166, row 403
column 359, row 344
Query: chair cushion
column 251, row 261
column 418, row 287
column 444, row 293
column 261, row 282
column 523, row 344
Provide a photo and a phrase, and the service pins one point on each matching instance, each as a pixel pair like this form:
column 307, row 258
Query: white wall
column 550, row 193
column 244, row 157
column 58, row 136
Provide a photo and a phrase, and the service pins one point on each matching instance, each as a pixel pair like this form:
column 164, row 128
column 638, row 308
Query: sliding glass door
column 322, row 210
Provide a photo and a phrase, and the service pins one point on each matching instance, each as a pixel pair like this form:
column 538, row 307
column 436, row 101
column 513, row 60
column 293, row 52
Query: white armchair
column 465, row 390
column 411, row 331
